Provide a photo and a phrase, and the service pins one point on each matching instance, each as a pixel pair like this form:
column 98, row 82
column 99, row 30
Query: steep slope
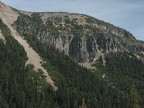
column 114, row 55
column 21, row 86
column 8, row 15
column 91, row 43
column 81, row 37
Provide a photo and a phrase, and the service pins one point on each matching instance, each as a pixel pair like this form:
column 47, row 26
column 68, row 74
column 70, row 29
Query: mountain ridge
column 74, row 28
column 39, row 58
column 65, row 26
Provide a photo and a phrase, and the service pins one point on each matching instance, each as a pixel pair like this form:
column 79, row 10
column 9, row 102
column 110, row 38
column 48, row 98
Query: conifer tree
column 83, row 104
column 134, row 97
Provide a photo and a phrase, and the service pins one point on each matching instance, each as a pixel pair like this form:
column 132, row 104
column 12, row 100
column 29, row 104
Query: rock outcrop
column 81, row 37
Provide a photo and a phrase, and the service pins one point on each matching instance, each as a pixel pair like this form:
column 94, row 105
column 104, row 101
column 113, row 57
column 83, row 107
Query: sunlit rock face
column 81, row 37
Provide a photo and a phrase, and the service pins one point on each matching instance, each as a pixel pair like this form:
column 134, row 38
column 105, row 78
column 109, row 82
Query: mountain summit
column 67, row 60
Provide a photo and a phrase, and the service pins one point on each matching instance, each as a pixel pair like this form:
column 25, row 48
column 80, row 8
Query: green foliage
column 67, row 20
column 121, row 69
column 135, row 100
column 73, row 81
column 51, row 26
column 90, row 20
column 25, row 16
column 83, row 104
column 19, row 86
column 37, row 18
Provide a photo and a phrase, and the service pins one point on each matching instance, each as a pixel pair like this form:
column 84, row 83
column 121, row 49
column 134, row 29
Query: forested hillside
column 60, row 41
column 22, row 87
column 18, row 84
column 122, row 70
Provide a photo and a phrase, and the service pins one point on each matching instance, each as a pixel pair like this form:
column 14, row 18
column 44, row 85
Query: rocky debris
column 79, row 36
column 2, row 37
column 83, row 42
column 8, row 16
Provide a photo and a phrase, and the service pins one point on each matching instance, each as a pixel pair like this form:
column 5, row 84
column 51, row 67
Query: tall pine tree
column 135, row 100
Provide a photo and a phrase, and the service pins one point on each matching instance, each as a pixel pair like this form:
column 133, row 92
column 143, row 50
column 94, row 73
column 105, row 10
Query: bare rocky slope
column 8, row 16
column 81, row 37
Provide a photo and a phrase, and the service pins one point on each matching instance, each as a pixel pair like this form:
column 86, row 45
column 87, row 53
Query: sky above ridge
column 127, row 14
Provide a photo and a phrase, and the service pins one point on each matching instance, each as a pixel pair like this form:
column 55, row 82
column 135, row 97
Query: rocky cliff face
column 81, row 37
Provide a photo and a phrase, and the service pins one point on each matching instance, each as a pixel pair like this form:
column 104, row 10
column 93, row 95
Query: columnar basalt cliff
column 81, row 37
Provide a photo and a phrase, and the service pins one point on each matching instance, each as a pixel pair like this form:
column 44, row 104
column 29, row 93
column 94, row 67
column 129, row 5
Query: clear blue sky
column 127, row 14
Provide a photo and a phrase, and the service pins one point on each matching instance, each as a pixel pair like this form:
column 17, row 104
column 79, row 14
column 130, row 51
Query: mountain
column 81, row 37
column 42, row 52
